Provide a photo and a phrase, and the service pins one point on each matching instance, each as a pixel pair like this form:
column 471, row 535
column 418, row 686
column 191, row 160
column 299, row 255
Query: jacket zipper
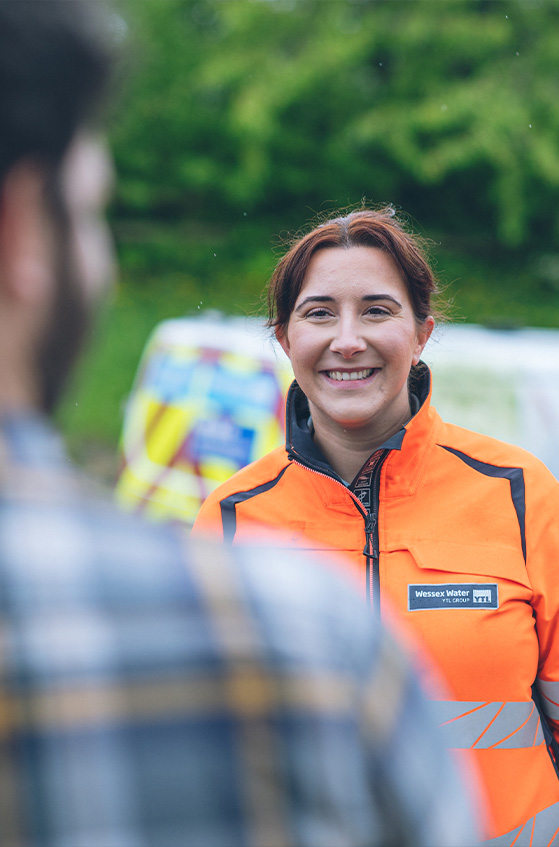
column 337, row 481
column 371, row 549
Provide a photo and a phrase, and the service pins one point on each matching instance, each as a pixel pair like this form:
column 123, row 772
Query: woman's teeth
column 345, row 375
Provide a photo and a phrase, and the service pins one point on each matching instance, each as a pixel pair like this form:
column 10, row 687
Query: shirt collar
column 30, row 439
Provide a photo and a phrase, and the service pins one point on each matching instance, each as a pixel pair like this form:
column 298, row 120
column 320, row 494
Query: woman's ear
column 283, row 341
column 423, row 335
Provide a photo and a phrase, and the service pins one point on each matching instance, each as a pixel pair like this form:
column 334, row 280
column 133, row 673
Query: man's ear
column 26, row 236
column 281, row 335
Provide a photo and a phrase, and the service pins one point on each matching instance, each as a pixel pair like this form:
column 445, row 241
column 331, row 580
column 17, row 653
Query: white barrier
column 504, row 383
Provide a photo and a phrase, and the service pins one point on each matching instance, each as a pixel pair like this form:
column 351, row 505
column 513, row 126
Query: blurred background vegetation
column 242, row 120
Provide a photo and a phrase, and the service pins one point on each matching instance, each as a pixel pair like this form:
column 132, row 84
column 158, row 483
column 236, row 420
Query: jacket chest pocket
column 435, row 561
column 471, row 607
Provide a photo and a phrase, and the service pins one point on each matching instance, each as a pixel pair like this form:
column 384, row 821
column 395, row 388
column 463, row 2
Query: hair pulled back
column 362, row 228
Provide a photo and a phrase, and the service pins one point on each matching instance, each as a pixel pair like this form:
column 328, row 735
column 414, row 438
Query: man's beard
column 65, row 331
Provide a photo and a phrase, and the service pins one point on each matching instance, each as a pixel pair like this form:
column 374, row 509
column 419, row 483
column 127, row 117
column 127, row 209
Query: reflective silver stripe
column 541, row 831
column 550, row 697
column 467, row 725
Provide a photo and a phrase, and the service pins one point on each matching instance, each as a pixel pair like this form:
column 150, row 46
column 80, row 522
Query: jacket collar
column 404, row 468
column 298, row 438
column 408, row 446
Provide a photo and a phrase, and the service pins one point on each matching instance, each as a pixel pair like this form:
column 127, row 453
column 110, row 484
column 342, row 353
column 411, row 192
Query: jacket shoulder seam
column 229, row 504
column 515, row 476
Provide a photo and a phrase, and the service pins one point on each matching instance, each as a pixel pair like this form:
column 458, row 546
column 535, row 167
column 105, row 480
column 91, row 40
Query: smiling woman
column 456, row 531
column 352, row 339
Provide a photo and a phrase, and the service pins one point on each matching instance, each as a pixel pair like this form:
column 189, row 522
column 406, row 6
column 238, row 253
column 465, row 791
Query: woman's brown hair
column 362, row 228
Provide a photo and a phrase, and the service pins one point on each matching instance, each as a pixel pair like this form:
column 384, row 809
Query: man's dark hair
column 54, row 67
column 56, row 63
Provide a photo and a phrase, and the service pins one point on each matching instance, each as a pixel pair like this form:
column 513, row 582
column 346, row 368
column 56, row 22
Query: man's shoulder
column 294, row 597
column 82, row 537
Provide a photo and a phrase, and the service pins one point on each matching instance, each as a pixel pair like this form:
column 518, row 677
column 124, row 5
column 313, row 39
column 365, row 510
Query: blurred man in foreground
column 154, row 693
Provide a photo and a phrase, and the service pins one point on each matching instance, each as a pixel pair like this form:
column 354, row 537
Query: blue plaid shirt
column 157, row 693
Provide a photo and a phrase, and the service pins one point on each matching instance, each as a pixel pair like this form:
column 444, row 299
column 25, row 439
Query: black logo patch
column 461, row 595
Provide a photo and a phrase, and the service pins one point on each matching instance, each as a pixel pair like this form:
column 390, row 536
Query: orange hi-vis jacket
column 460, row 533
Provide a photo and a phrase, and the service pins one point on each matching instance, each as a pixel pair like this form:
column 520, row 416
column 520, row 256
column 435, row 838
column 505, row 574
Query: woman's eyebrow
column 373, row 298
column 315, row 298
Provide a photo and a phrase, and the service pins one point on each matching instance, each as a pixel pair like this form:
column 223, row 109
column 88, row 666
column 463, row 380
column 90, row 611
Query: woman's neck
column 348, row 449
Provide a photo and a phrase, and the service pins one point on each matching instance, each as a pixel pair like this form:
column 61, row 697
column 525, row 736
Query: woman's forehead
column 338, row 270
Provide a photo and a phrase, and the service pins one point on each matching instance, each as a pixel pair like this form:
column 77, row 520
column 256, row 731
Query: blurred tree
column 242, row 118
column 449, row 109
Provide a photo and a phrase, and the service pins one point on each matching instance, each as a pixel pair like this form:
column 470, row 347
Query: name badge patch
column 461, row 595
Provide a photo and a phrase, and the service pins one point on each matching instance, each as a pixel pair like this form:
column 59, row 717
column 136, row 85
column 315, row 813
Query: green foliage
column 243, row 119
column 275, row 109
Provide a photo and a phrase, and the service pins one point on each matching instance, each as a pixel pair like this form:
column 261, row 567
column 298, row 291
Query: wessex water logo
column 461, row 595
column 482, row 595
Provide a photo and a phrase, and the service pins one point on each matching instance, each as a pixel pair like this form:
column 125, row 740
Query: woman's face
column 352, row 338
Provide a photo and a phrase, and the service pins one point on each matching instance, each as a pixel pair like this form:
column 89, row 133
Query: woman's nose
column 348, row 339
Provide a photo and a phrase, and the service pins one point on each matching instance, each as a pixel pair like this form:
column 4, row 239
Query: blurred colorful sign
column 207, row 400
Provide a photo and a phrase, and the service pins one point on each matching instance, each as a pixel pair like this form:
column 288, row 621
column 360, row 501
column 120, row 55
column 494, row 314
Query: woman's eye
column 377, row 311
column 318, row 313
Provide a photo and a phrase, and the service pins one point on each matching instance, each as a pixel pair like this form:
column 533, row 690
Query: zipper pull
column 370, row 528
